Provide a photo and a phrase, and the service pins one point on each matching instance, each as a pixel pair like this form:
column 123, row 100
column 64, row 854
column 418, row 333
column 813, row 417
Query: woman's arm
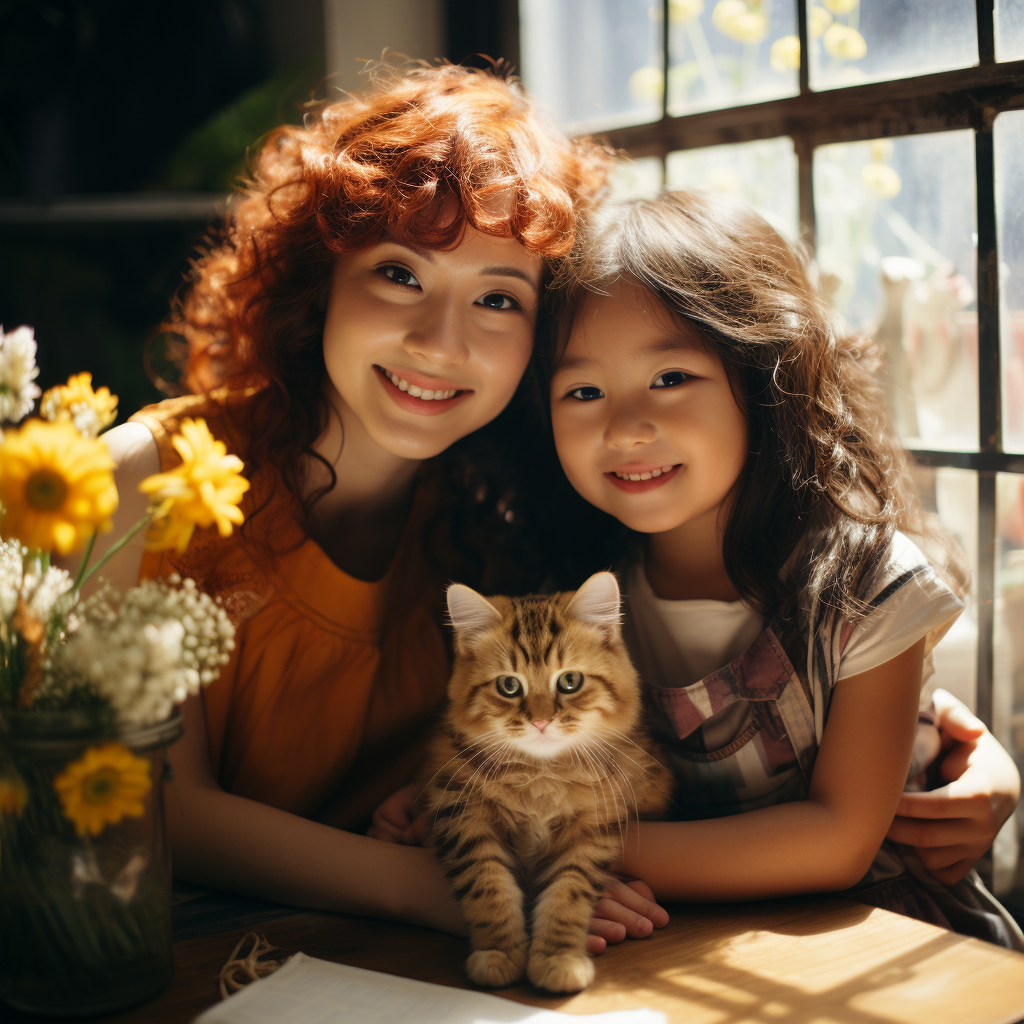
column 952, row 826
column 231, row 842
column 234, row 843
column 821, row 844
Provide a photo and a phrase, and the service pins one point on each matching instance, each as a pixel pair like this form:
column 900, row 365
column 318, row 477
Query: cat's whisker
column 642, row 750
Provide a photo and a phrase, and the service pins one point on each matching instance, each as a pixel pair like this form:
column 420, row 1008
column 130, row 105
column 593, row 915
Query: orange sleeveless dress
column 334, row 682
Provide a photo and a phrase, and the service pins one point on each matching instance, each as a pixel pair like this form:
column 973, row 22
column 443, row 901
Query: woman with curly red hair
column 355, row 338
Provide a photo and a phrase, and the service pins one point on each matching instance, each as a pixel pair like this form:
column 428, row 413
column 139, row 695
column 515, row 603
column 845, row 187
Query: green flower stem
column 80, row 577
column 141, row 524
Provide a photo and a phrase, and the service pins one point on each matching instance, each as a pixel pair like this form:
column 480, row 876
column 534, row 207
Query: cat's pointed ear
column 470, row 613
column 598, row 603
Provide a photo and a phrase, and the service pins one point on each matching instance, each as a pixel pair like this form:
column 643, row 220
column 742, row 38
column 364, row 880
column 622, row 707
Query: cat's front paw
column 563, row 972
column 495, row 967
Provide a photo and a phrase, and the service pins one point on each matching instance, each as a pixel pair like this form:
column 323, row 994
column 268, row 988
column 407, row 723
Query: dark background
column 145, row 101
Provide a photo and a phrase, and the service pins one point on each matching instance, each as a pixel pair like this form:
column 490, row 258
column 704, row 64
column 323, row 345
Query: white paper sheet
column 311, row 991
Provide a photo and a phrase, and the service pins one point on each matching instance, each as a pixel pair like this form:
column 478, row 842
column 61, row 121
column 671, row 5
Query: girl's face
column 423, row 347
column 646, row 424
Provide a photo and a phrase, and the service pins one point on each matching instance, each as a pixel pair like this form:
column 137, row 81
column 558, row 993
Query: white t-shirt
column 683, row 641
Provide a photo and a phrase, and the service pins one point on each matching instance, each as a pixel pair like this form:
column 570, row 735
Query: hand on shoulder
column 952, row 826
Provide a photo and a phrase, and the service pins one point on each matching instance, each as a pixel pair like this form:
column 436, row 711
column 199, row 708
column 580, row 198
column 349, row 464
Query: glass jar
column 85, row 873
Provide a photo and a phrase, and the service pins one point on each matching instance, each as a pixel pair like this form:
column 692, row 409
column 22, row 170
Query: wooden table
column 798, row 961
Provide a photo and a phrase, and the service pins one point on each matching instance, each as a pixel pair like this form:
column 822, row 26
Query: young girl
column 369, row 310
column 781, row 613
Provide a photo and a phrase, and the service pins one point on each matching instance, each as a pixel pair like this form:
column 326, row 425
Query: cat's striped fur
column 532, row 786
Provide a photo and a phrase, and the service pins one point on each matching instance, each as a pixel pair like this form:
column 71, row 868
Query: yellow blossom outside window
column 819, row 20
column 90, row 411
column 785, row 54
column 56, row 487
column 103, row 786
column 736, row 20
column 204, row 490
column 844, row 42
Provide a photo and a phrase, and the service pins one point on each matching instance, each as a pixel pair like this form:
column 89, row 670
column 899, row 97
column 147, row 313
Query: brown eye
column 508, row 686
column 569, row 682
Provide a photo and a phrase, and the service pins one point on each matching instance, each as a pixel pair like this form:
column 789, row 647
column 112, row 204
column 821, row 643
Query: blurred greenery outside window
column 893, row 148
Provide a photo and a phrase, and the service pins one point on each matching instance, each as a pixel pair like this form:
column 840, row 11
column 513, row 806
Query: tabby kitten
column 540, row 762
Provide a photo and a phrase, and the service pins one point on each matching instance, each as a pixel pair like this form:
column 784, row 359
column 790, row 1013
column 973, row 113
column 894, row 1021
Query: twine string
column 240, row 970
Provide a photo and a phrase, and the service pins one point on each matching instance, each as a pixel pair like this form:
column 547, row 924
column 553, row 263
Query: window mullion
column 985, row 10
column 989, row 406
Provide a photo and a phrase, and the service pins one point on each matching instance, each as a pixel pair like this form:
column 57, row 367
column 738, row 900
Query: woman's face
column 646, row 424
column 424, row 347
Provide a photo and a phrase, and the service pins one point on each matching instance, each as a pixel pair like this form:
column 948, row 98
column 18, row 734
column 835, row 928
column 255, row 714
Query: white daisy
column 18, row 371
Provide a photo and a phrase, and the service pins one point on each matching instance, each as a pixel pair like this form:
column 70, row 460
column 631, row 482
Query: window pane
column 878, row 40
column 1009, row 150
column 729, row 52
column 596, row 63
column 953, row 495
column 764, row 173
column 637, row 178
column 896, row 227
column 1009, row 30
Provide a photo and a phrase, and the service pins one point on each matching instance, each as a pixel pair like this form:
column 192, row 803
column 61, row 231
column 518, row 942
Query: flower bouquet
column 88, row 689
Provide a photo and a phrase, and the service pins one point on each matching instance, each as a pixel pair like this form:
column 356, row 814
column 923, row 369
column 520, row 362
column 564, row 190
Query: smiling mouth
column 645, row 480
column 423, row 394
column 647, row 474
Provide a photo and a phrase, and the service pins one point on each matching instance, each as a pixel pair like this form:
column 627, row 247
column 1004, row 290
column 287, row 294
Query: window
column 891, row 136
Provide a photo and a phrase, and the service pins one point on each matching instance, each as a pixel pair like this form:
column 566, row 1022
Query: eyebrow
column 533, row 282
column 656, row 348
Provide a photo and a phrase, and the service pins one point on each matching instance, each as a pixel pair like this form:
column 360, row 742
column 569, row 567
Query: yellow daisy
column 204, row 490
column 90, row 411
column 103, row 786
column 56, row 487
column 13, row 796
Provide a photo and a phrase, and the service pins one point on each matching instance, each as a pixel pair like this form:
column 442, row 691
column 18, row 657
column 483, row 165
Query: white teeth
column 646, row 475
column 420, row 393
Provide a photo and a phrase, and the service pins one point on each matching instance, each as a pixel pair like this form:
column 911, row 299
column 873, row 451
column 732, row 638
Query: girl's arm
column 231, row 842
column 822, row 844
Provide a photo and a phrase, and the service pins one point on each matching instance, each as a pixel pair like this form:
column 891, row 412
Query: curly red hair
column 380, row 163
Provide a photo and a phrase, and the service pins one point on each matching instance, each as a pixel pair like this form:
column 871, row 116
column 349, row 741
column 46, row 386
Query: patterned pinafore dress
column 746, row 736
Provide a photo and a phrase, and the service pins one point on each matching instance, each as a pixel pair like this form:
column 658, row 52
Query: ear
column 597, row 603
column 470, row 613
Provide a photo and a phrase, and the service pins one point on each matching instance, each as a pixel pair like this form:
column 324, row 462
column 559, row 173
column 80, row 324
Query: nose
column 438, row 336
column 629, row 427
column 541, row 723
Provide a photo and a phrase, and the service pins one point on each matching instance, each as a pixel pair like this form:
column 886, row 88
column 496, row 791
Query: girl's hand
column 626, row 908
column 951, row 827
column 398, row 819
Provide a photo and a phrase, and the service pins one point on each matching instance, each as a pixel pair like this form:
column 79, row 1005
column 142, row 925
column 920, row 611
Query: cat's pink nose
column 541, row 723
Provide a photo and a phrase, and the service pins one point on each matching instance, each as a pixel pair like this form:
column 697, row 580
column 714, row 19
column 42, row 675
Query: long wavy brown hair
column 826, row 484
column 383, row 162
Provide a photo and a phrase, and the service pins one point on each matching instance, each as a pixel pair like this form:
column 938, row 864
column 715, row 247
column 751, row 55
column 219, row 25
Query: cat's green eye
column 569, row 682
column 508, row 686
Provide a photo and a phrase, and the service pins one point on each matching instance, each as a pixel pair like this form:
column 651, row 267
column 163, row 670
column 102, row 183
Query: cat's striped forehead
column 536, row 631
